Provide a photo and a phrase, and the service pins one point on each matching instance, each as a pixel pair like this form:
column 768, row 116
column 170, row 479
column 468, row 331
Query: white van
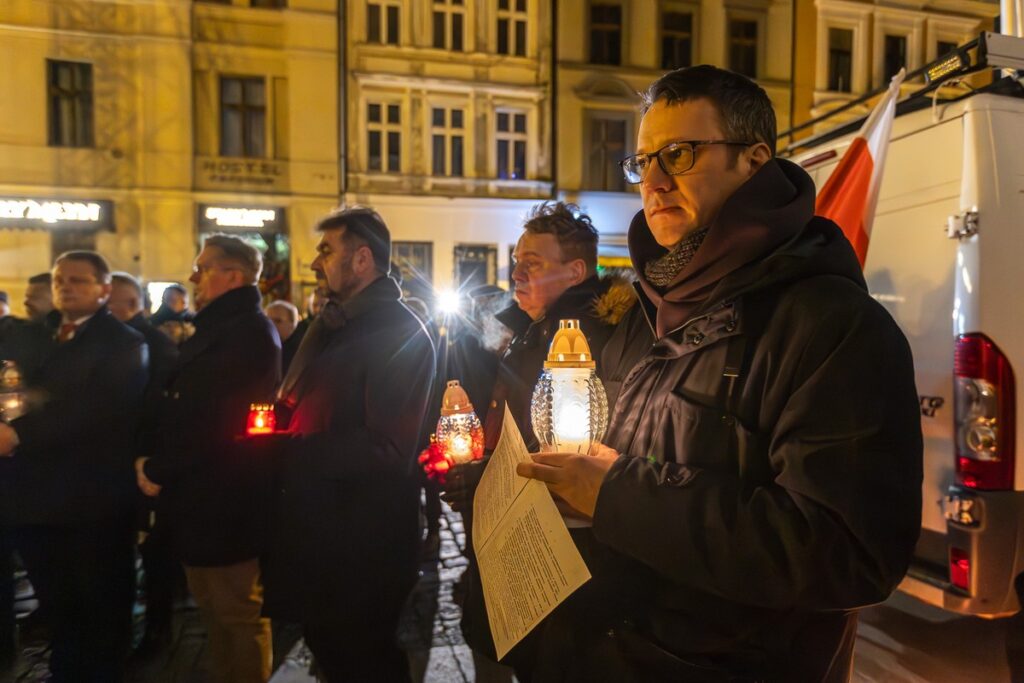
column 946, row 258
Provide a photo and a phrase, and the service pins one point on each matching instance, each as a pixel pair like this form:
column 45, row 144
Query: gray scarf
column 663, row 270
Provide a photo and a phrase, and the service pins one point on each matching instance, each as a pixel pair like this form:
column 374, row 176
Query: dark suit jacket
column 214, row 493
column 163, row 354
column 74, row 464
column 26, row 343
column 346, row 528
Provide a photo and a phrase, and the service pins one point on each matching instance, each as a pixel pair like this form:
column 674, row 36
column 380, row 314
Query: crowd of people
column 759, row 481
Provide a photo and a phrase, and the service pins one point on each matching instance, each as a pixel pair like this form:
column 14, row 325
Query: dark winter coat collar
column 324, row 328
column 85, row 329
column 244, row 299
column 380, row 291
column 763, row 213
column 217, row 316
column 575, row 299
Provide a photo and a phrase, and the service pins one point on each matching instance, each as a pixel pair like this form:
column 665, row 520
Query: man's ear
column 237, row 278
column 578, row 269
column 362, row 260
column 757, row 156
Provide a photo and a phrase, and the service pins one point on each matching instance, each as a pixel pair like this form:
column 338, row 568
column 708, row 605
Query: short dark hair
column 576, row 235
column 745, row 112
column 173, row 287
column 239, row 252
column 41, row 279
column 366, row 225
column 127, row 279
column 99, row 264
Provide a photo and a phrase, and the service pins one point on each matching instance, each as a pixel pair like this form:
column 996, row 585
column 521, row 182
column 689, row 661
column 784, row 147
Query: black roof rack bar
column 902, row 106
column 979, row 63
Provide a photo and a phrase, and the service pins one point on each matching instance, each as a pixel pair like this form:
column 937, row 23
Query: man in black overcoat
column 66, row 482
column 345, row 549
column 214, row 495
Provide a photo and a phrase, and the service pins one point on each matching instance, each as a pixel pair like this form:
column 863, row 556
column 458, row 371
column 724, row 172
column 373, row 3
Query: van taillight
column 985, row 411
column 959, row 569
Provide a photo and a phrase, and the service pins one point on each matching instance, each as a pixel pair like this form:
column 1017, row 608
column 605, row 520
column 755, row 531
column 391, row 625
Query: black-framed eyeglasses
column 674, row 158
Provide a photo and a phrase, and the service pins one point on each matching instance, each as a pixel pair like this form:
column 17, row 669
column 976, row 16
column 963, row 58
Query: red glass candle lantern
column 459, row 431
column 261, row 419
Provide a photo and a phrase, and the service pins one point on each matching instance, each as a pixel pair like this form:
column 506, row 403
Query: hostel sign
column 25, row 212
column 251, row 175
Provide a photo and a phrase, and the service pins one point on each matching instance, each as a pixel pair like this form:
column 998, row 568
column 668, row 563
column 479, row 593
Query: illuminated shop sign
column 50, row 213
column 227, row 218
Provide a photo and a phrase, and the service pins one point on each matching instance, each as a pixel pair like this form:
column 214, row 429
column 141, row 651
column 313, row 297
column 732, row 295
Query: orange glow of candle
column 261, row 419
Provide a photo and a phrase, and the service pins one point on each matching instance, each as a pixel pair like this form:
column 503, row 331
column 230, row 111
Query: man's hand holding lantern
column 575, row 478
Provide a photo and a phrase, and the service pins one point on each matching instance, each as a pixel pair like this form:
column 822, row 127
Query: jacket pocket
column 695, row 435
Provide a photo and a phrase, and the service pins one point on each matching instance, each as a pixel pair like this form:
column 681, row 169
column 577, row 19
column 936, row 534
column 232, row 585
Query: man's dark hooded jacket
column 346, row 527
column 769, row 482
column 523, row 360
column 215, row 489
column 599, row 304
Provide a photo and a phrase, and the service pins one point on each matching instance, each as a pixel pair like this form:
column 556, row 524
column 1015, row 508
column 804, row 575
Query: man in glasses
column 213, row 493
column 761, row 476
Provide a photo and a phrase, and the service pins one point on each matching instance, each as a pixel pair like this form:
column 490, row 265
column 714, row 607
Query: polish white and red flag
column 850, row 194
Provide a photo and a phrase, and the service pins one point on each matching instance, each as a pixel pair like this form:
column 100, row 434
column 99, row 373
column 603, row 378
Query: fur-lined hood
column 620, row 296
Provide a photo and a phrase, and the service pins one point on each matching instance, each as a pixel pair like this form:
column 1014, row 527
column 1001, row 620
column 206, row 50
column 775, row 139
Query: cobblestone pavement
column 429, row 630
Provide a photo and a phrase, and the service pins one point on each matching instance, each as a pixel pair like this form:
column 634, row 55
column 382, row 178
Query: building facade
column 847, row 48
column 136, row 128
column 142, row 126
column 449, row 130
column 610, row 50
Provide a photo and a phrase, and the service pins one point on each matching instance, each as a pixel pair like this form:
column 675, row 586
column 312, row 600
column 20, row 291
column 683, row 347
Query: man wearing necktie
column 66, row 480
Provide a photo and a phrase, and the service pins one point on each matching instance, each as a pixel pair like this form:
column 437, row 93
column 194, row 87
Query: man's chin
column 667, row 228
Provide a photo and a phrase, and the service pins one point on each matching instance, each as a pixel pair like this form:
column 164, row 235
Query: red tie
column 67, row 331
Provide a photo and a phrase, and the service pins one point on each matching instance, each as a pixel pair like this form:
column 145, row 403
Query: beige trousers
column 230, row 599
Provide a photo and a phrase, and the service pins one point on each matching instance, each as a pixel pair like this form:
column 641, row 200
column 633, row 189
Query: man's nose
column 194, row 278
column 656, row 180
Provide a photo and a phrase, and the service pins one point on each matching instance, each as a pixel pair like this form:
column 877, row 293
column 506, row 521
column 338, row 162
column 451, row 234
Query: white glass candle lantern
column 459, row 431
column 569, row 410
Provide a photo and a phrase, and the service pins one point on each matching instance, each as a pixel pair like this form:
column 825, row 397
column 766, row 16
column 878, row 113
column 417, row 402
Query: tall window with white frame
column 840, row 59
column 447, row 131
column 243, row 117
column 605, row 33
column 70, row 103
column 512, row 16
column 511, row 140
column 383, row 137
column 607, row 147
column 383, row 21
column 743, row 46
column 676, row 39
column 449, row 24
